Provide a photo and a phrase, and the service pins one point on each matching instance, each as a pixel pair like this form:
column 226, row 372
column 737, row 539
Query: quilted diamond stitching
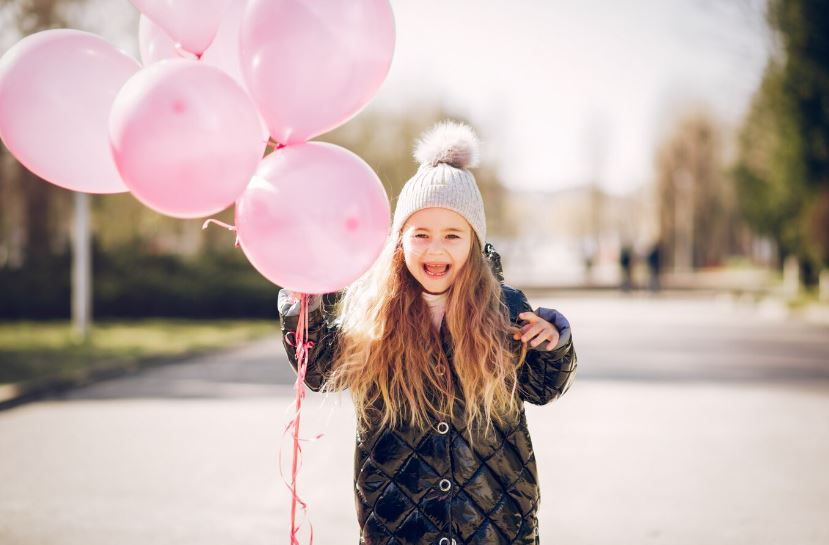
column 372, row 528
column 392, row 505
column 481, row 459
column 508, row 507
column 494, row 537
column 525, row 481
column 388, row 451
column 502, row 498
column 504, row 492
column 412, row 474
column 436, row 506
column 426, row 437
column 412, row 525
column 463, row 508
column 390, row 482
column 508, row 446
column 416, row 505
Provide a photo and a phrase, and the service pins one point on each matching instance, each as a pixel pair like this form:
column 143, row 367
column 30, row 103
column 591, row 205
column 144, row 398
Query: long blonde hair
column 388, row 351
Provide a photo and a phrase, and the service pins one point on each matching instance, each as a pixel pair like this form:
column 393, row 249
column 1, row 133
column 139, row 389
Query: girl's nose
column 436, row 246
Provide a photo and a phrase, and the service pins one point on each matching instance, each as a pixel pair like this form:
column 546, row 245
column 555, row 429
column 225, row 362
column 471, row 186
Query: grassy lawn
column 36, row 350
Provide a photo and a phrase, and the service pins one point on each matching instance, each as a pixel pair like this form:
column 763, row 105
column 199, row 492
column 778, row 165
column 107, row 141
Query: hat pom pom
column 448, row 142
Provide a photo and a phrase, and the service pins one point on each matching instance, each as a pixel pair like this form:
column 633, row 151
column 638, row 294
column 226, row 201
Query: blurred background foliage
column 782, row 171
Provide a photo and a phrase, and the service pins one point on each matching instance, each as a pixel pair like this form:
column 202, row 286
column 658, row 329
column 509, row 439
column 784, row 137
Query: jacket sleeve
column 546, row 375
column 322, row 331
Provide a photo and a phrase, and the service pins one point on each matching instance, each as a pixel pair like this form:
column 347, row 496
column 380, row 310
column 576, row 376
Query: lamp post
column 81, row 269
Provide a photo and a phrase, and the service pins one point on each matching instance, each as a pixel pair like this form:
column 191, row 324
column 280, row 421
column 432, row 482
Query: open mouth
column 436, row 270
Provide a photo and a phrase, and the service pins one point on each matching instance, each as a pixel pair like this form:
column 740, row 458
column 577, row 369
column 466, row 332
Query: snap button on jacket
column 418, row 487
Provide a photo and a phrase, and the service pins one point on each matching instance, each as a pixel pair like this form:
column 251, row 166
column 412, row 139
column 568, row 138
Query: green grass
column 39, row 350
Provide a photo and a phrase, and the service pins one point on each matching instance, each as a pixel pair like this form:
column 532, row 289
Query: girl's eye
column 420, row 235
column 456, row 236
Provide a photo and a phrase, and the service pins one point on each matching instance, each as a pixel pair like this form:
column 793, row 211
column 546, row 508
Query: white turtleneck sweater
column 437, row 306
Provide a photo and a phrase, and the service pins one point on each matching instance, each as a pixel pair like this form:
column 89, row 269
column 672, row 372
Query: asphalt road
column 691, row 420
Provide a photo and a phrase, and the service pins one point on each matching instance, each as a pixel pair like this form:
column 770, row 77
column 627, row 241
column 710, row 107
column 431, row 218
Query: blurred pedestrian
column 654, row 265
column 626, row 263
column 588, row 251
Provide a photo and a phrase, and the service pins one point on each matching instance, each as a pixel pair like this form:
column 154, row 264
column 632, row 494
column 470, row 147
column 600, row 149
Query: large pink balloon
column 312, row 66
column 314, row 217
column 191, row 23
column 56, row 89
column 185, row 137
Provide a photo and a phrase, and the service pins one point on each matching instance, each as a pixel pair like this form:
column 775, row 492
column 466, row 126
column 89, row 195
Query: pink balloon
column 185, row 137
column 223, row 53
column 191, row 23
column 312, row 66
column 56, row 89
column 153, row 43
column 313, row 218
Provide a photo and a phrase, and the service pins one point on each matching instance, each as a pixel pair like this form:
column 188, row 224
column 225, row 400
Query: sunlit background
column 657, row 170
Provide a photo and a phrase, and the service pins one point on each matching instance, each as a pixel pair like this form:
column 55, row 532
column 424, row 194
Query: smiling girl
column 430, row 344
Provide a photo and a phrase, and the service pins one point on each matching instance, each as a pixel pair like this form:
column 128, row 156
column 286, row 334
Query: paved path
column 691, row 422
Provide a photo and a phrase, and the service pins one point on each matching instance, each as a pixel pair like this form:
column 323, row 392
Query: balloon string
column 302, row 346
column 223, row 224
column 276, row 146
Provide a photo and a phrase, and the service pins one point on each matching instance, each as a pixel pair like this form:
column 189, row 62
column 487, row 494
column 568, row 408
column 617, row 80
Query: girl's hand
column 537, row 331
column 288, row 302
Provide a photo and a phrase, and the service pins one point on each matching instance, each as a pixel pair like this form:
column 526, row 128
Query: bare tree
column 698, row 216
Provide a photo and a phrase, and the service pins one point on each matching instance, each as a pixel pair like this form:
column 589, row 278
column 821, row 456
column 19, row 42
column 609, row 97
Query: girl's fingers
column 535, row 334
column 531, row 331
column 537, row 331
column 521, row 330
column 542, row 336
column 553, row 341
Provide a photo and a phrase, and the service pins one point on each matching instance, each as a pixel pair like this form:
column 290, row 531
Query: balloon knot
column 276, row 145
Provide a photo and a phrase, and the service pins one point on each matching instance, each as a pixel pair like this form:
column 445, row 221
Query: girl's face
column 436, row 244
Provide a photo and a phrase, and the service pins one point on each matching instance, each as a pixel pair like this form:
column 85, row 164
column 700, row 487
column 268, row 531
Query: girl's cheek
column 459, row 249
column 416, row 248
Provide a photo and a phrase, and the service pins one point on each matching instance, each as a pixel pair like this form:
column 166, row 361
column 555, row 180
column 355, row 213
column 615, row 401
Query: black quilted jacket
column 414, row 487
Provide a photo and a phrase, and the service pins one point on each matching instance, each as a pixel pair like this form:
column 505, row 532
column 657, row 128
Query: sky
column 561, row 93
column 565, row 92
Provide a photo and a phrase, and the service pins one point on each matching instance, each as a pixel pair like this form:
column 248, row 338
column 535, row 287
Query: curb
column 17, row 393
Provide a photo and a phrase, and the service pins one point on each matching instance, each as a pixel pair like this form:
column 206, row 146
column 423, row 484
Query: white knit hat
column 442, row 180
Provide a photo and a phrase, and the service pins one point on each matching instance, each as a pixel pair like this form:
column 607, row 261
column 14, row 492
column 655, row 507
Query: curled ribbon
column 302, row 346
column 223, row 224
